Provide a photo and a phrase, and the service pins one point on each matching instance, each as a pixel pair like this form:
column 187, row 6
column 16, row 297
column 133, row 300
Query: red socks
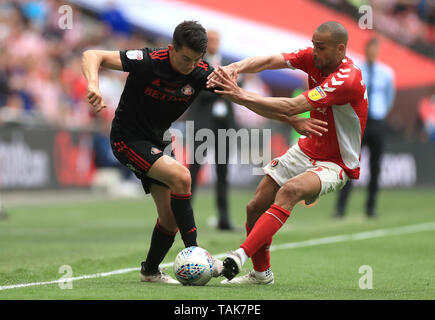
column 260, row 237
column 261, row 258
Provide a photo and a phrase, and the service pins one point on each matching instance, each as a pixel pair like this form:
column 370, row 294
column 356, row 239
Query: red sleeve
column 298, row 59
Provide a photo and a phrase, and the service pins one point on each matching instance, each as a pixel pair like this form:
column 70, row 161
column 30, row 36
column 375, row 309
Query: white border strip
column 429, row 226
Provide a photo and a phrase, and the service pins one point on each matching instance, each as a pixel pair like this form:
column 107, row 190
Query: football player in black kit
column 161, row 85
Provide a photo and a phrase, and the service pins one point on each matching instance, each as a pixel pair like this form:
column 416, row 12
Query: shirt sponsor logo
column 164, row 96
column 316, row 94
column 134, row 54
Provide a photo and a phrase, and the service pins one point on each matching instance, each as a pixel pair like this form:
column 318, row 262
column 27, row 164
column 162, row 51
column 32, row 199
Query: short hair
column 190, row 34
column 337, row 30
column 372, row 42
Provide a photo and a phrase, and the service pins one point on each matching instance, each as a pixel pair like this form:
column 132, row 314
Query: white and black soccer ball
column 194, row 266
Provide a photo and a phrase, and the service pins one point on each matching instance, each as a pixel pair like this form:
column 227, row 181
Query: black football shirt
column 155, row 95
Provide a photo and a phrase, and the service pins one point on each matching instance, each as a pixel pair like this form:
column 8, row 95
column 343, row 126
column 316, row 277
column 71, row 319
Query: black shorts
column 138, row 156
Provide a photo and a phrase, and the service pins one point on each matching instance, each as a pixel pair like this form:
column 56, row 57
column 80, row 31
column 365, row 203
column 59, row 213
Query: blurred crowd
column 410, row 22
column 40, row 61
column 41, row 83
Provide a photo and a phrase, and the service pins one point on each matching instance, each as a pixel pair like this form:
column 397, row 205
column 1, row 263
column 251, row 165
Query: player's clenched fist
column 95, row 98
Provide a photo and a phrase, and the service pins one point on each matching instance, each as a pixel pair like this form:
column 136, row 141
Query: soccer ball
column 194, row 266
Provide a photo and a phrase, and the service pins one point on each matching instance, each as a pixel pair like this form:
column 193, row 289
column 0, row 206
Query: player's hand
column 227, row 86
column 309, row 126
column 230, row 69
column 95, row 98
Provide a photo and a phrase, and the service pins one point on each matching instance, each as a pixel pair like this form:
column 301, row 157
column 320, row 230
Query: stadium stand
column 40, row 75
column 41, row 84
column 409, row 22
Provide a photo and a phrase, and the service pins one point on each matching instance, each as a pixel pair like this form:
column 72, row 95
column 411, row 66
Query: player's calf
column 183, row 214
column 254, row 210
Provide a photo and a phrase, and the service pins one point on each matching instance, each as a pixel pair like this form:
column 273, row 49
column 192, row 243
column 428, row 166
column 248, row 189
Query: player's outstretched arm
column 270, row 107
column 91, row 62
column 282, row 109
column 251, row 65
column 260, row 63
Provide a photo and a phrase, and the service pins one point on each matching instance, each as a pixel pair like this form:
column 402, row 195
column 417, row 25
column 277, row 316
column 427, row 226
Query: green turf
column 110, row 235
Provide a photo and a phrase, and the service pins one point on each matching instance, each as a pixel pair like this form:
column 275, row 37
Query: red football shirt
column 339, row 99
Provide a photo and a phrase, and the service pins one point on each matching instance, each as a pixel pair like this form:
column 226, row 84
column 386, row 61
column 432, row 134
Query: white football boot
column 251, row 278
column 232, row 265
column 158, row 277
column 218, row 267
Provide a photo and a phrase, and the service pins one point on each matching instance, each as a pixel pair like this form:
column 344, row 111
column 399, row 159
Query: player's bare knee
column 291, row 191
column 181, row 181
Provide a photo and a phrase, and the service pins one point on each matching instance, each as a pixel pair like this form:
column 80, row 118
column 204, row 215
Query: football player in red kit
column 316, row 165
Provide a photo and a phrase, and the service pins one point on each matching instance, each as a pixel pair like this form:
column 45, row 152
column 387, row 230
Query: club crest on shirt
column 187, row 90
column 316, row 94
column 134, row 54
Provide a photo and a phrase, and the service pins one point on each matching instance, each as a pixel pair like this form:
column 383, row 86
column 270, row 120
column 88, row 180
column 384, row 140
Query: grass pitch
column 103, row 236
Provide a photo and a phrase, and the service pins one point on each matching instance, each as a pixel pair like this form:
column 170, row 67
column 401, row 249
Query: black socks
column 162, row 239
column 161, row 242
column 183, row 213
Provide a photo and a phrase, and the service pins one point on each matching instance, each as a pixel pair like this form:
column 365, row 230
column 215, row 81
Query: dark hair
column 190, row 34
column 338, row 31
column 371, row 42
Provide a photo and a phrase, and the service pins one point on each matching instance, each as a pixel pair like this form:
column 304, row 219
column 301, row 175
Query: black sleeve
column 200, row 74
column 134, row 61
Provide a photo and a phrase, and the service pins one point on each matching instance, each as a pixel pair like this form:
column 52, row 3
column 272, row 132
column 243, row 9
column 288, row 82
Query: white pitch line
column 429, row 226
